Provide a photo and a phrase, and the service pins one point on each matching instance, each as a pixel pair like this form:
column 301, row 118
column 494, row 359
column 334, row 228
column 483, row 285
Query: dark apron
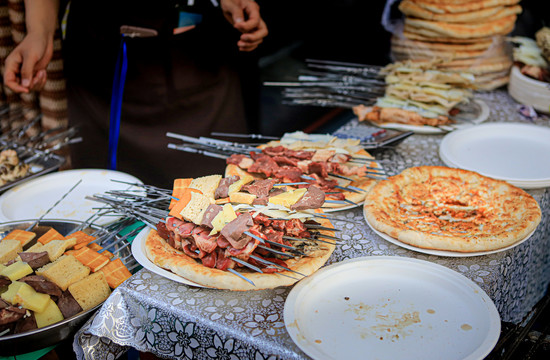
column 187, row 84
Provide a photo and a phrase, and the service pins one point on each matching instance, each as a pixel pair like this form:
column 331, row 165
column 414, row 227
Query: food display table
column 169, row 319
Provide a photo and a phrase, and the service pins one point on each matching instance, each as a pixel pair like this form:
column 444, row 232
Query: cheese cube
column 224, row 217
column 242, row 198
column 195, row 208
column 288, row 198
column 207, row 185
column 237, row 185
column 17, row 270
column 49, row 316
column 12, row 290
column 28, row 298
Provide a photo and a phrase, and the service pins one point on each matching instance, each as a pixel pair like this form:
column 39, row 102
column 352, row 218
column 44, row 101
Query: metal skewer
column 53, row 206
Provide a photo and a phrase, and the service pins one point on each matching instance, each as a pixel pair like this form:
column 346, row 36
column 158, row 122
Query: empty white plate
column 391, row 307
column 33, row 198
column 515, row 152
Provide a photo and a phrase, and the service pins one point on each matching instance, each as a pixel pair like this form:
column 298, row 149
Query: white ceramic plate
column 34, row 197
column 139, row 253
column 444, row 252
column 514, row 152
column 480, row 117
column 391, row 308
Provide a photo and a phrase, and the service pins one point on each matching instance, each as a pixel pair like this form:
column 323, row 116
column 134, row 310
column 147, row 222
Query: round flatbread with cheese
column 441, row 208
column 165, row 256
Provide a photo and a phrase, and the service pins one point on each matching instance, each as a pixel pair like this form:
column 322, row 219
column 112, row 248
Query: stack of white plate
column 528, row 91
column 514, row 152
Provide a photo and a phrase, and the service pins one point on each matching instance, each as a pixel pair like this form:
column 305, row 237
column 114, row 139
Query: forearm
column 41, row 16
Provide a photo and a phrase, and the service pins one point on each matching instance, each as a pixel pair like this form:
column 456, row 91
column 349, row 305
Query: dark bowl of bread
column 53, row 277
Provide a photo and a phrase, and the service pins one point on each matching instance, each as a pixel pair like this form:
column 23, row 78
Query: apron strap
column 116, row 102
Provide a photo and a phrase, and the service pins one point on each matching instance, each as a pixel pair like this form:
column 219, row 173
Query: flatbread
column 480, row 65
column 488, row 85
column 410, row 8
column 483, row 29
column 413, row 35
column 165, row 256
column 420, row 53
column 441, row 208
column 442, row 46
column 446, row 6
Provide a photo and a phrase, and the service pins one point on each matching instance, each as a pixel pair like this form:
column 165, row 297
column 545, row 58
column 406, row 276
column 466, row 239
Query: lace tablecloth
column 172, row 320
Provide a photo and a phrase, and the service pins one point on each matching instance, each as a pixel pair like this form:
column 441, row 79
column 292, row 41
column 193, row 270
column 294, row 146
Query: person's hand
column 25, row 66
column 244, row 15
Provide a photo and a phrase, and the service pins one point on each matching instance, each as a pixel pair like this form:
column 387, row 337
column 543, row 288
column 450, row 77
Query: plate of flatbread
column 462, row 213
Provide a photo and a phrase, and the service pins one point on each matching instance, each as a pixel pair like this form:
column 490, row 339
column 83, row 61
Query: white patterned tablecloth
column 172, row 320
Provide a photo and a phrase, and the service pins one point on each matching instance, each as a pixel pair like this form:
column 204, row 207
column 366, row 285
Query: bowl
column 49, row 335
column 528, row 91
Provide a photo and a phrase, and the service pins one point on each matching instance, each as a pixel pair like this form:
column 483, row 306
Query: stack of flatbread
column 418, row 94
column 469, row 34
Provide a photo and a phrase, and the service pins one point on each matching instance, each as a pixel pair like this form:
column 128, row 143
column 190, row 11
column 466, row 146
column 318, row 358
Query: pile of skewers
column 150, row 206
column 333, row 84
column 225, row 149
column 22, row 155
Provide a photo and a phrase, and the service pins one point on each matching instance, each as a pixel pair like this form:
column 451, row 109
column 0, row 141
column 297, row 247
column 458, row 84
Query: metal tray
column 50, row 335
column 42, row 165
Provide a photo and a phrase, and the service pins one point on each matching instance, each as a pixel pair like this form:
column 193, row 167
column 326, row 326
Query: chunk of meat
column 314, row 198
column 222, row 191
column 234, row 230
column 260, row 188
column 323, row 155
column 203, row 240
column 35, row 259
column 41, row 285
column 265, row 165
column 211, row 211
column 68, row 305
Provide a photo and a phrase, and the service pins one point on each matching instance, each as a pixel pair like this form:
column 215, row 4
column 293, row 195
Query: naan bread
column 446, row 7
column 414, row 35
column 483, row 29
column 421, row 53
column 410, row 8
column 445, row 46
column 165, row 256
column 441, row 208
